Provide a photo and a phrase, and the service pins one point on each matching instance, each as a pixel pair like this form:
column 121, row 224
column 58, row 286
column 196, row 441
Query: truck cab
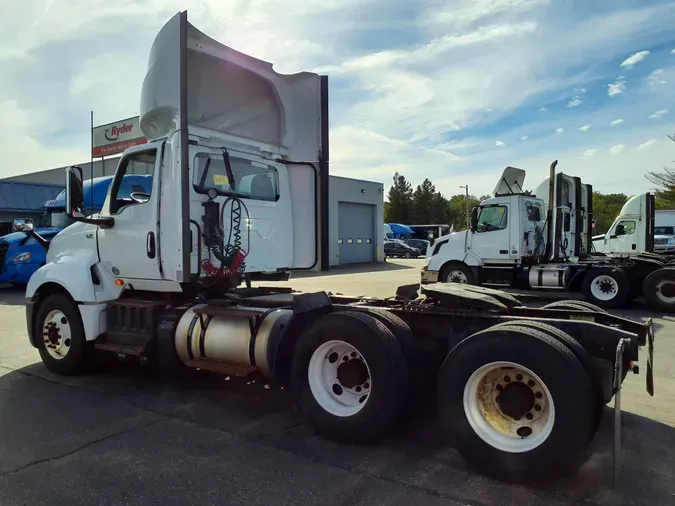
column 632, row 231
column 506, row 231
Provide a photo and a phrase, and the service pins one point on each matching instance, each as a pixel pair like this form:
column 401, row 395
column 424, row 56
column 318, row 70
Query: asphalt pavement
column 124, row 436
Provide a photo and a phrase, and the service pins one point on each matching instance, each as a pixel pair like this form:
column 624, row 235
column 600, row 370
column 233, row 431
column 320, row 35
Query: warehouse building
column 356, row 207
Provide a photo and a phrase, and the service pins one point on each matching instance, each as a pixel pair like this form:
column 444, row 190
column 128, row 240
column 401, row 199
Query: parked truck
column 524, row 243
column 639, row 228
column 20, row 252
column 174, row 277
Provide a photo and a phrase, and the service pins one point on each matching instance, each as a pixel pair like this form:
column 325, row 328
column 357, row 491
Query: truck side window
column 142, row 163
column 252, row 180
column 492, row 218
column 625, row 228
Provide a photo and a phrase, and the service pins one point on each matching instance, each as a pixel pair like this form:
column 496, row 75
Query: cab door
column 492, row 239
column 129, row 249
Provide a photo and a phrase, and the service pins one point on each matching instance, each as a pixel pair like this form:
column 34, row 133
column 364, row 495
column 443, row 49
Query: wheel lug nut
column 358, row 389
column 529, row 416
column 500, row 388
column 531, row 383
column 507, row 378
column 519, row 377
column 366, row 385
column 537, row 407
column 538, row 395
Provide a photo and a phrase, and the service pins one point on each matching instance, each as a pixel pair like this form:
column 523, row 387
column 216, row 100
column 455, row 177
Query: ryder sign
column 113, row 138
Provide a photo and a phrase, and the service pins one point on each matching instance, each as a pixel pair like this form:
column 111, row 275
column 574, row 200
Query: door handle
column 150, row 245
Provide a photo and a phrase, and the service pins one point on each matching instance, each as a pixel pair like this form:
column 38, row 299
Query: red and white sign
column 113, row 138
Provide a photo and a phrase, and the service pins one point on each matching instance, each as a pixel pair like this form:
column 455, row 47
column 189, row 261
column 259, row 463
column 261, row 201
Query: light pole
column 466, row 201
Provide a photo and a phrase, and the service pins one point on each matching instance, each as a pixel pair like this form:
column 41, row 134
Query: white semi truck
column 526, row 243
column 239, row 195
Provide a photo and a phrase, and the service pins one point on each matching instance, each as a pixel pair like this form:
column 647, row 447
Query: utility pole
column 466, row 202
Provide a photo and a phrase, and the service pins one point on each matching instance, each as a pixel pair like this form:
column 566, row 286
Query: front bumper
column 429, row 277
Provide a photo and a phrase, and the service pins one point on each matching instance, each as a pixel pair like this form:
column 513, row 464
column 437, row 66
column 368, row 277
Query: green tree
column 400, row 199
column 439, row 209
column 606, row 208
column 423, row 199
column 457, row 209
column 665, row 185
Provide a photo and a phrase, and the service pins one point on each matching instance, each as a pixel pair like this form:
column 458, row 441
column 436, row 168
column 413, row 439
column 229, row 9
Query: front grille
column 4, row 246
column 660, row 241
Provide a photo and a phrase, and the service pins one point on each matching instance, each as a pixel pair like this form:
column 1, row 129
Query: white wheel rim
column 457, row 276
column 341, row 391
column 484, row 408
column 670, row 288
column 57, row 334
column 604, row 287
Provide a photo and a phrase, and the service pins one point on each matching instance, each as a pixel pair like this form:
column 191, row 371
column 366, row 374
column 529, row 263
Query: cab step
column 131, row 326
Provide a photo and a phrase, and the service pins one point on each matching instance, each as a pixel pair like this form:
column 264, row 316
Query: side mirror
column 474, row 219
column 22, row 225
column 566, row 222
column 74, row 192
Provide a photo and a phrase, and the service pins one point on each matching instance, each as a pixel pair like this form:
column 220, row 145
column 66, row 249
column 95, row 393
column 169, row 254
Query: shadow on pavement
column 11, row 296
column 361, row 268
column 126, row 436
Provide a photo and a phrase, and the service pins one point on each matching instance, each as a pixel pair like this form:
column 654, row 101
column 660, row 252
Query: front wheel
column 407, row 254
column 456, row 273
column 60, row 336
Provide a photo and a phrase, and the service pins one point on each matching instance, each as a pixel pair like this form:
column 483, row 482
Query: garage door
column 356, row 236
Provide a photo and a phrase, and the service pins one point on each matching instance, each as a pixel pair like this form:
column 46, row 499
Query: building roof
column 26, row 197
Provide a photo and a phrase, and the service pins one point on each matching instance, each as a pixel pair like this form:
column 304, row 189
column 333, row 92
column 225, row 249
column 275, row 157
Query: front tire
column 350, row 377
column 517, row 403
column 456, row 273
column 60, row 336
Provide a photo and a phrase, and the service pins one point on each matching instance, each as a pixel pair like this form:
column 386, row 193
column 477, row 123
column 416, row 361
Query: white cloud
column 635, row 59
column 616, row 88
column 658, row 114
column 576, row 101
column 618, row 148
column 500, row 143
column 524, row 138
column 616, row 122
column 543, row 109
column 589, row 152
column 673, row 51
column 585, row 128
column 559, row 130
column 646, row 145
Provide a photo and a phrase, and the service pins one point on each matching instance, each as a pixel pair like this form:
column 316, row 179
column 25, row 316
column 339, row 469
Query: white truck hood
column 222, row 92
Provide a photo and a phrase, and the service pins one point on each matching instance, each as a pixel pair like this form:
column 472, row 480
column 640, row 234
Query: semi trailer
column 174, row 277
column 524, row 243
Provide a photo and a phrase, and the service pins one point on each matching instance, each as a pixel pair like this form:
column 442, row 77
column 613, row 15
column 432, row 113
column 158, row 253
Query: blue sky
column 453, row 90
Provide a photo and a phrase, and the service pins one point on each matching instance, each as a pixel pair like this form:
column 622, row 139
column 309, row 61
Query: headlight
column 23, row 257
column 671, row 240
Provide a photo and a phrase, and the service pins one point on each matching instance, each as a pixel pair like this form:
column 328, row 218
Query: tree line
column 425, row 205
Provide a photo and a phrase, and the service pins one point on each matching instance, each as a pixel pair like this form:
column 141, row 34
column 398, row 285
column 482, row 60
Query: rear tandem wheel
column 518, row 404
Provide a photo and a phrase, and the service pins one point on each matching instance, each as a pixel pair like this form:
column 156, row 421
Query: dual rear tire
column 519, row 400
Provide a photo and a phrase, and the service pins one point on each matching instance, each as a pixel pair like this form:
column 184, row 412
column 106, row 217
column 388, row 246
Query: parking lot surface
column 123, row 436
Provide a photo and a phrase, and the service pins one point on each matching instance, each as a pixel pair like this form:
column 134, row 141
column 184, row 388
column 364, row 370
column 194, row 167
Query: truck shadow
column 389, row 265
column 48, row 417
column 11, row 296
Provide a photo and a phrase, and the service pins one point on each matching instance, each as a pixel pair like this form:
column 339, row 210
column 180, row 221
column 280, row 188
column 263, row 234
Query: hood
column 16, row 237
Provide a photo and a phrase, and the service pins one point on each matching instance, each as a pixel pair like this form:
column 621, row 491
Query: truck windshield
column 55, row 218
column 664, row 230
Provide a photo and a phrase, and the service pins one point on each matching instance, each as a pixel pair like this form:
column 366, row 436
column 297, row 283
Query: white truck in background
column 528, row 243
column 238, row 196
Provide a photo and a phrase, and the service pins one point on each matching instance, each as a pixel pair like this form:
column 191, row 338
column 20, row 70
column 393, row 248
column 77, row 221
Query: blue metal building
column 23, row 200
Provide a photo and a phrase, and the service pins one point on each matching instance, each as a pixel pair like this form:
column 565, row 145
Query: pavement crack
column 80, row 447
column 260, row 439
